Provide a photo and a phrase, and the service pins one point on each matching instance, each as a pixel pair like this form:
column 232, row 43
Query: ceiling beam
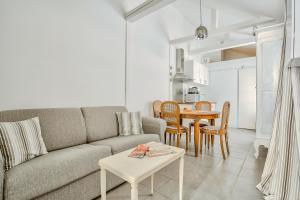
column 146, row 8
column 248, row 33
column 215, row 18
column 222, row 46
column 226, row 29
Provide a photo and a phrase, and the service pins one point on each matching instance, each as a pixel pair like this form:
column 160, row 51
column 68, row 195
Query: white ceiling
column 235, row 8
column 230, row 12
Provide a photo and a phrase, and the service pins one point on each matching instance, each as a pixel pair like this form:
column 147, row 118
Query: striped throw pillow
column 130, row 123
column 21, row 141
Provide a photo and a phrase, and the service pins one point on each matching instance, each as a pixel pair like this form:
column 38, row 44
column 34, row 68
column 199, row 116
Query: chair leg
column 208, row 140
column 187, row 140
column 165, row 137
column 205, row 139
column 201, row 138
column 212, row 140
column 227, row 145
column 170, row 135
column 222, row 146
column 190, row 132
column 178, row 140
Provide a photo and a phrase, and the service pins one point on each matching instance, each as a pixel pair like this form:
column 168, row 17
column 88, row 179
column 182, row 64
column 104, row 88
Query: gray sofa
column 76, row 138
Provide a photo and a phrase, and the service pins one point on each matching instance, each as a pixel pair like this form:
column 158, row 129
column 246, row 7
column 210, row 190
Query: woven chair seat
column 175, row 128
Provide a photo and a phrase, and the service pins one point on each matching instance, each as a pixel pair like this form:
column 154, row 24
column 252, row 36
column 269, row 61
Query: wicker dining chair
column 170, row 112
column 156, row 108
column 203, row 106
column 218, row 130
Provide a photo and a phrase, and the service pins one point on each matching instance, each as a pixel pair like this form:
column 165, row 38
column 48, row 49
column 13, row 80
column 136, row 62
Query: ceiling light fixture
column 201, row 32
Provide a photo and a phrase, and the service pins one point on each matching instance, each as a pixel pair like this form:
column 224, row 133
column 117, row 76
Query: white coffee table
column 135, row 170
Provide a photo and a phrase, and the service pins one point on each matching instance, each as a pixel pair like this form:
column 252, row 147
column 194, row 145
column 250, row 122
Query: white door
column 247, row 98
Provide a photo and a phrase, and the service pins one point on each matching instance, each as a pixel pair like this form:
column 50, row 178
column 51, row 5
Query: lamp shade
column 201, row 33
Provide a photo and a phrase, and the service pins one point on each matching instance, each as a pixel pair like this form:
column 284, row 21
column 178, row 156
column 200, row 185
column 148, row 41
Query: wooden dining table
column 197, row 116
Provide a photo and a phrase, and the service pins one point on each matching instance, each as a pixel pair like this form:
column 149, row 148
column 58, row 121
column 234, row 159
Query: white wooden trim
column 146, row 8
column 226, row 29
column 225, row 45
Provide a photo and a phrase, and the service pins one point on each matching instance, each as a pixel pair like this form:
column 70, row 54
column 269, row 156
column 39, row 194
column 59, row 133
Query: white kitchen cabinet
column 269, row 45
column 197, row 71
column 224, row 85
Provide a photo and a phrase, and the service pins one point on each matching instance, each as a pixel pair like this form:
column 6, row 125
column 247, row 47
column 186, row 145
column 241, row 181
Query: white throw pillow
column 21, row 141
column 130, row 123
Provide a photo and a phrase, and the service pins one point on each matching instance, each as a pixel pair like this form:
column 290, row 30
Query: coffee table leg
column 134, row 191
column 152, row 184
column 181, row 167
column 196, row 136
column 103, row 184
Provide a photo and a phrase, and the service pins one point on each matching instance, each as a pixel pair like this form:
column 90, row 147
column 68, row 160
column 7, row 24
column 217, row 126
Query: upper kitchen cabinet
column 197, row 71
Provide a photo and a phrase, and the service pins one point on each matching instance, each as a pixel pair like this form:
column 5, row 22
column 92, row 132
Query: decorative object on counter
column 193, row 90
column 218, row 130
column 170, row 112
column 156, row 108
column 192, row 95
column 187, row 109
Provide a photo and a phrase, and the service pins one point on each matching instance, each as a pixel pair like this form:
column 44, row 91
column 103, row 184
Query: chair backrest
column 203, row 106
column 170, row 112
column 156, row 108
column 225, row 116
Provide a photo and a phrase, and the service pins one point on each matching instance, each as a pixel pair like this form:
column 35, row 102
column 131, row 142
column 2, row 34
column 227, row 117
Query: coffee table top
column 134, row 170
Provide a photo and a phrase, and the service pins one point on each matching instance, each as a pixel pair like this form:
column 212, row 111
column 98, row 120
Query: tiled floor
column 208, row 177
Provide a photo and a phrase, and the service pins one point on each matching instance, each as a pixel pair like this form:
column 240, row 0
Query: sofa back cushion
column 60, row 127
column 101, row 122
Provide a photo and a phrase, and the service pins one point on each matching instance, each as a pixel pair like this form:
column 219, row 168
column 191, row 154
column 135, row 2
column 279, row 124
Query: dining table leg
column 196, row 137
column 213, row 123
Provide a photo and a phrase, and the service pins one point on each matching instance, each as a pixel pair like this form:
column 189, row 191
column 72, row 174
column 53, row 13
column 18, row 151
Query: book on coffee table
column 151, row 149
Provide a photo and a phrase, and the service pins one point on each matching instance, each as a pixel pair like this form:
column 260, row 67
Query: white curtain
column 281, row 176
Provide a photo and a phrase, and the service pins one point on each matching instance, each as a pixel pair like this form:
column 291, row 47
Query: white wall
column 148, row 56
column 57, row 53
column 223, row 84
column 61, row 53
column 297, row 28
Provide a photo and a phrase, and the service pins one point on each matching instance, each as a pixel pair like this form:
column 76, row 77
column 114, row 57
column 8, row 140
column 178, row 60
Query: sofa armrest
column 154, row 126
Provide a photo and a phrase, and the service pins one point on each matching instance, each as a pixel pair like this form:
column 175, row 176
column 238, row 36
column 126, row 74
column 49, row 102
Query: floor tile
column 208, row 177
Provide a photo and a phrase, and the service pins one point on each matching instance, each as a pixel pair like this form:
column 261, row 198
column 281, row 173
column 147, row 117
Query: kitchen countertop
column 213, row 102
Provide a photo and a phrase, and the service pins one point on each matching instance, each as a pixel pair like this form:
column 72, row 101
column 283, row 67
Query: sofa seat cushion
column 53, row 170
column 122, row 143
